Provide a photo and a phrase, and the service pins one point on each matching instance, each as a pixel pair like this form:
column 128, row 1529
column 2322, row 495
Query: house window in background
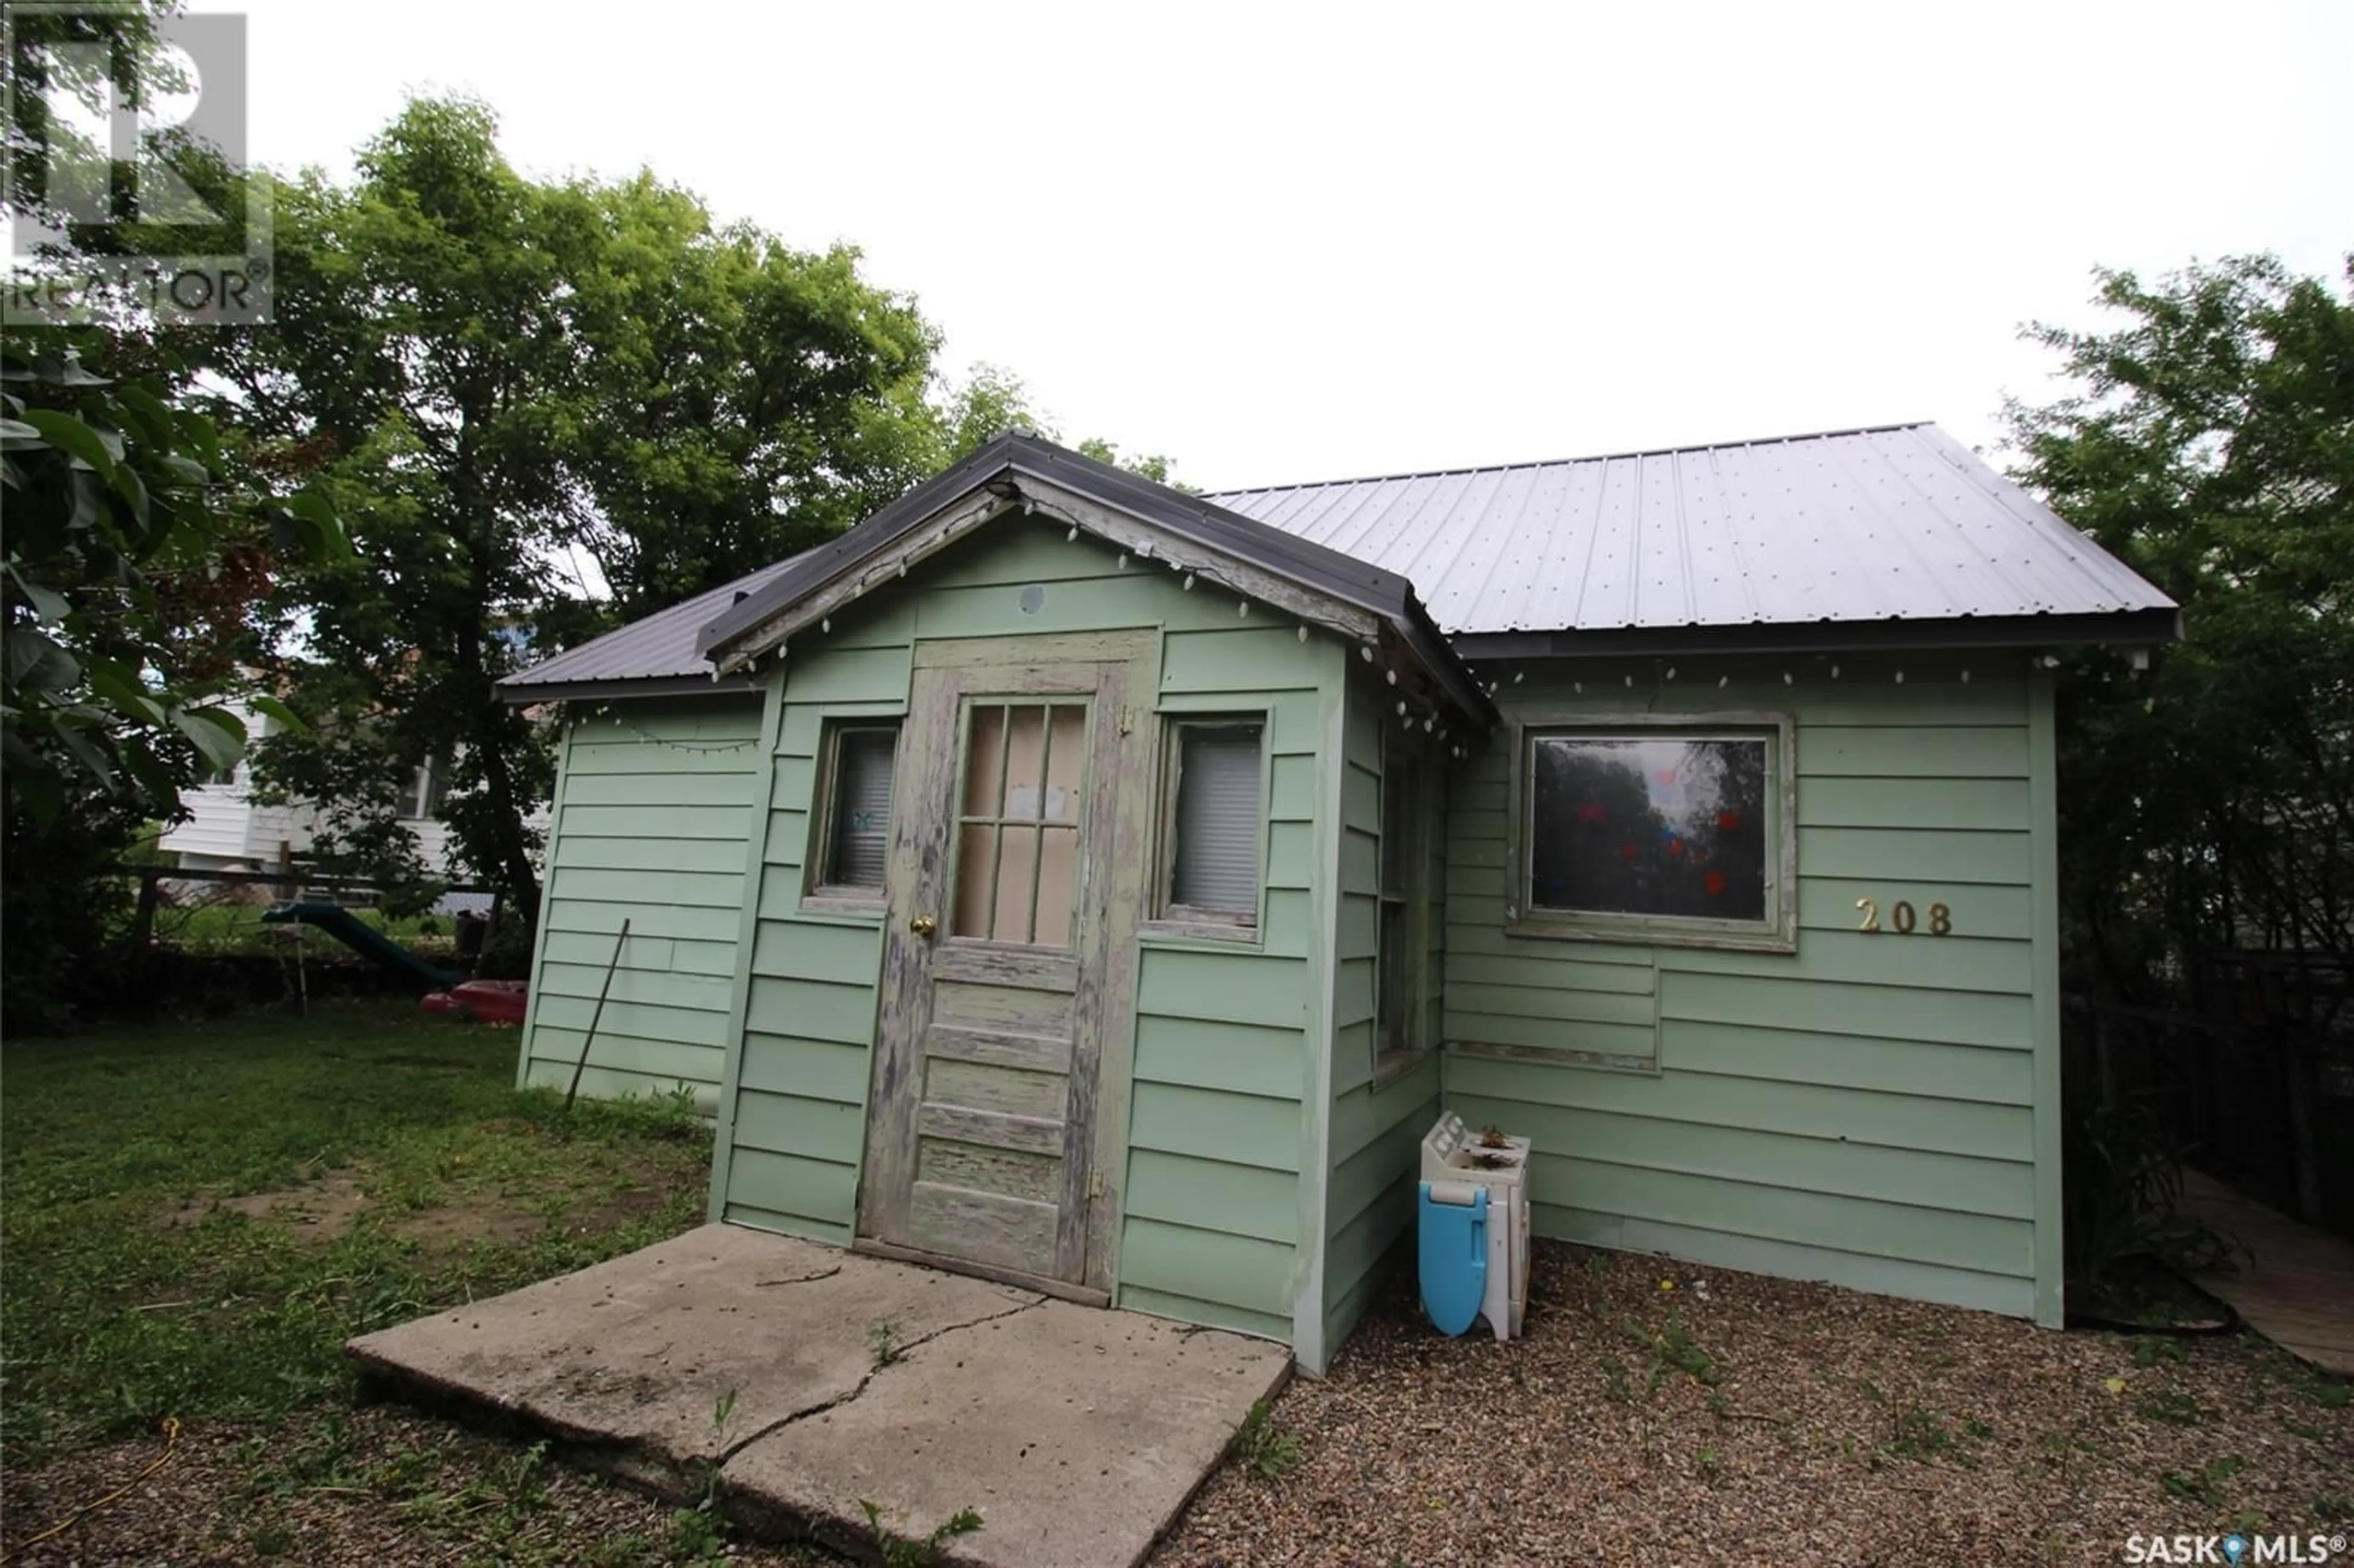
column 421, row 797
column 1213, row 822
column 1661, row 834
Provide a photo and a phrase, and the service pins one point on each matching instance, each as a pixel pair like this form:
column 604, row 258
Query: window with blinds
column 858, row 833
column 1213, row 824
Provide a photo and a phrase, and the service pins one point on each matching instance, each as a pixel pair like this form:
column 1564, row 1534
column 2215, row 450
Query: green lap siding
column 1377, row 1124
column 1867, row 1110
column 1222, row 1056
column 1225, row 1032
column 650, row 825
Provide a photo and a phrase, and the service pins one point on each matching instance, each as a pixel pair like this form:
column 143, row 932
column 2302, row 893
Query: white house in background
column 228, row 831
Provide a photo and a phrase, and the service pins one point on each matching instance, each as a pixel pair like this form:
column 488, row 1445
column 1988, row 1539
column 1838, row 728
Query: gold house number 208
column 1901, row 919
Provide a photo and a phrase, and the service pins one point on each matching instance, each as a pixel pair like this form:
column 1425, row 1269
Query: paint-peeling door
column 1008, row 962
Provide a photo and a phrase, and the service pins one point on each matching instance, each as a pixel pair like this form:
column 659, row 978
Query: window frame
column 1777, row 933
column 1166, row 916
column 818, row 894
column 428, row 785
column 1402, row 755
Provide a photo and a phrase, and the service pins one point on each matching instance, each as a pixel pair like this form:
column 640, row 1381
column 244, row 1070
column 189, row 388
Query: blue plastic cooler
column 1453, row 1243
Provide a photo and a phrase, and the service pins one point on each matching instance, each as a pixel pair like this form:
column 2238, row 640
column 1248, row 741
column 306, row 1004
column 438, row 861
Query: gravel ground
column 1658, row 1415
column 1653, row 1414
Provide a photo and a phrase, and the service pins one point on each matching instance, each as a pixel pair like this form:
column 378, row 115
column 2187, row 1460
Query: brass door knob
column 923, row 924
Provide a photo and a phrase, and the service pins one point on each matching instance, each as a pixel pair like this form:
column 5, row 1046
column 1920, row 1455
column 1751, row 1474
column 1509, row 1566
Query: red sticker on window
column 1714, row 881
column 1592, row 812
column 1626, row 851
column 1676, row 847
column 1667, row 775
column 1728, row 820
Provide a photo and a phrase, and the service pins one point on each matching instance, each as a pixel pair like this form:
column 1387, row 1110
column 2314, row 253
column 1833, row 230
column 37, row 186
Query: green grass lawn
column 223, row 927
column 196, row 1217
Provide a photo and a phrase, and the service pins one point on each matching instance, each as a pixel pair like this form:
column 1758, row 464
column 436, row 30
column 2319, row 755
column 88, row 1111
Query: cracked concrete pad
column 633, row 1357
column 1078, row 1435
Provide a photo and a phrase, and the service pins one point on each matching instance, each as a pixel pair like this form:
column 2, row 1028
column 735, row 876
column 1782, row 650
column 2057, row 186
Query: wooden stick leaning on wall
column 594, row 1018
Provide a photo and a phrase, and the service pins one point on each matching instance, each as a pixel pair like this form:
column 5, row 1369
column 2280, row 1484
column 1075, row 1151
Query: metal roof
column 660, row 647
column 1852, row 537
column 1894, row 524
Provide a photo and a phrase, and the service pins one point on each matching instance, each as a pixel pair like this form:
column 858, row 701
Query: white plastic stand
column 1451, row 1154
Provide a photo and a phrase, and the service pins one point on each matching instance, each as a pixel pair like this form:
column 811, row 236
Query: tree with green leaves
column 136, row 542
column 2210, row 801
column 505, row 378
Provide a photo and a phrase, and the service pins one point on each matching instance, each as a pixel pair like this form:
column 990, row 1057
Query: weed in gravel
column 1710, row 1466
column 904, row 1552
column 695, row 1535
column 1614, row 1382
column 882, row 1340
column 2150, row 1349
column 1673, row 1350
column 2170, row 1406
column 2333, row 1508
column 269, row 1537
column 1263, row 1448
column 1921, row 1435
column 627, row 1551
column 2331, row 1394
column 2205, row 1485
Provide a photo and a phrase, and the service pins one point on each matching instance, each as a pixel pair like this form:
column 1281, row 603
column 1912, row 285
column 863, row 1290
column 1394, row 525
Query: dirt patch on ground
column 373, row 1489
column 321, row 1210
column 326, row 1210
column 1660, row 1414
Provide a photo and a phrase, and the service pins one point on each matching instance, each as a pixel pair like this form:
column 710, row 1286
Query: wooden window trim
column 1778, row 933
column 1392, row 1057
column 1168, row 918
column 819, row 897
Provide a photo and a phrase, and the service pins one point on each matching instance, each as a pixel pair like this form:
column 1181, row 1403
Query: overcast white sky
column 1289, row 243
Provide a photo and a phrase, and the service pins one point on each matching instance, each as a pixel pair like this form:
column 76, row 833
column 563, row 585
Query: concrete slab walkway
column 811, row 1380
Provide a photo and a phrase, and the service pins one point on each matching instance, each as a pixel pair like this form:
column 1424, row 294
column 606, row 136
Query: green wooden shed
column 1067, row 879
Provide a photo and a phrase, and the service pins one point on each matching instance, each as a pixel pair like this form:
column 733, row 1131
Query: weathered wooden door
column 1009, row 964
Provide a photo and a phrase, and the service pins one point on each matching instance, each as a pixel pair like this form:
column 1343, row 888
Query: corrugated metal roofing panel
column 660, row 646
column 1901, row 522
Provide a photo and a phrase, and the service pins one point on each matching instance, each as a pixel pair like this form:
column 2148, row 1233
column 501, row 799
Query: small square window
column 854, row 843
column 1660, row 834
column 1213, row 822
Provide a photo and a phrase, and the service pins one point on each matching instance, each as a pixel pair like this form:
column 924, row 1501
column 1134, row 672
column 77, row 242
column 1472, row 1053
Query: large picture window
column 1651, row 832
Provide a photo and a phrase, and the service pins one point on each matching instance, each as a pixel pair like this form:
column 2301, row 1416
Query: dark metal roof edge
column 2022, row 632
column 1316, row 567
column 1312, row 565
column 623, row 687
column 1319, row 567
column 857, row 542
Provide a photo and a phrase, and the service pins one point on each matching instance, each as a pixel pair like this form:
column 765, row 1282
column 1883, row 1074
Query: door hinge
column 1094, row 1186
column 1127, row 720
